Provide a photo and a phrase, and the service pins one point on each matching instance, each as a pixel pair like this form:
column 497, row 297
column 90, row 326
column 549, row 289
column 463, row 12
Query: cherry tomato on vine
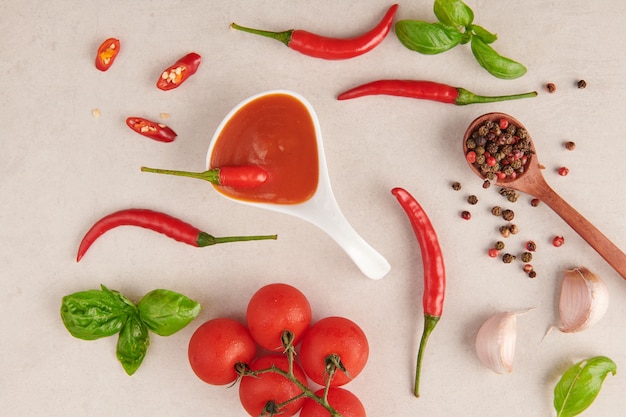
column 343, row 401
column 334, row 337
column 107, row 52
column 274, row 309
column 266, row 392
column 216, row 347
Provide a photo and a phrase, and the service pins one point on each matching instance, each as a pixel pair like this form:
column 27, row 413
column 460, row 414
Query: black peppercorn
column 581, row 84
column 496, row 211
column 507, row 258
column 472, row 199
column 499, row 245
column 508, row 215
column 456, row 186
column 527, row 257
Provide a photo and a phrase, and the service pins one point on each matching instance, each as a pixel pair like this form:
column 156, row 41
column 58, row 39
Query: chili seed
column 551, row 87
column 496, row 211
column 508, row 215
column 531, row 246
column 558, row 241
column 507, row 258
column 535, row 202
column 472, row 199
column 456, row 186
column 563, row 171
column 526, row 257
column 466, row 215
column 570, row 146
column 493, row 253
column 581, row 84
column 499, row 245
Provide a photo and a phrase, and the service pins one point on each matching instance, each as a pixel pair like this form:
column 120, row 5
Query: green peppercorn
column 527, row 257
column 499, row 245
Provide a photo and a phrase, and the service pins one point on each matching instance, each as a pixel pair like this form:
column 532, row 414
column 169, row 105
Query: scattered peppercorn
column 486, row 184
column 507, row 258
column 563, row 171
column 551, row 87
column 510, row 194
column 581, row 84
column 532, row 274
column 531, row 246
column 472, row 199
column 508, row 215
column 526, row 257
column 558, row 241
column 535, row 202
column 513, row 229
column 527, row 268
column 499, row 245
column 569, row 145
column 496, row 211
column 493, row 253
column 505, row 231
column 466, row 215
column 456, row 186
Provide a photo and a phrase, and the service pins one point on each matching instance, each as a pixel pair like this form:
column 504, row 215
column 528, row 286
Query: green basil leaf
column 166, row 312
column 484, row 34
column 427, row 38
column 579, row 386
column 93, row 314
column 453, row 12
column 494, row 63
column 132, row 344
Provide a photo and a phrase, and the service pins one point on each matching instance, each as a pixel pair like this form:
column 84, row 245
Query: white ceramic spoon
column 322, row 209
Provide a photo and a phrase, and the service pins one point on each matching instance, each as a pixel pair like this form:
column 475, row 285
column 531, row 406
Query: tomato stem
column 429, row 325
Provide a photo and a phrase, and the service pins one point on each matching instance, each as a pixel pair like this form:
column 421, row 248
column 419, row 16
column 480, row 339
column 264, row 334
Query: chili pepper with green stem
column 324, row 47
column 159, row 222
column 426, row 90
column 434, row 270
column 245, row 176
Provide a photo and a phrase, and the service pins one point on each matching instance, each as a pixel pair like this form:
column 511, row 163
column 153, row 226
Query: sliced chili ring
column 178, row 73
column 150, row 129
column 107, row 52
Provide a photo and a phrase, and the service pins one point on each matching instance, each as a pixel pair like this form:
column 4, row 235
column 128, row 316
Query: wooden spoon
column 532, row 182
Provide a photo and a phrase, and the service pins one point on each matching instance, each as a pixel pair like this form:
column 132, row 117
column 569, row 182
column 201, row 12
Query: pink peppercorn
column 563, row 171
column 558, row 241
column 493, row 253
column 504, row 123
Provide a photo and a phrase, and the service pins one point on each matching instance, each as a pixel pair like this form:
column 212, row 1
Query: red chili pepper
column 178, row 73
column 246, row 176
column 107, row 52
column 158, row 222
column 434, row 270
column 324, row 47
column 150, row 129
column 426, row 90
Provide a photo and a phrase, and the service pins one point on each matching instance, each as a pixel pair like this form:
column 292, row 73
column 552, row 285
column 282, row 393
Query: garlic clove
column 583, row 301
column 496, row 340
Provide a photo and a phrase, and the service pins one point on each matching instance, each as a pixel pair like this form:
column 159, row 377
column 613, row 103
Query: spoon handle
column 607, row 249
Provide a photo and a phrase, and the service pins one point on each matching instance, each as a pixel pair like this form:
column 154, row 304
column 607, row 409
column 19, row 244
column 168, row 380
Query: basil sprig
column 456, row 26
column 94, row 314
column 580, row 384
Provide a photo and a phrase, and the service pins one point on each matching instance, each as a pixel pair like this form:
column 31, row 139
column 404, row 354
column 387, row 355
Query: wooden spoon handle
column 607, row 249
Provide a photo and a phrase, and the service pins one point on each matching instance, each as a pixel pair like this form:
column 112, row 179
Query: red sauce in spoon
column 275, row 132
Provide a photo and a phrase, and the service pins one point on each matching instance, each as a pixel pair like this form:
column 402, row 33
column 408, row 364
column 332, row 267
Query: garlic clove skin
column 496, row 340
column 583, row 301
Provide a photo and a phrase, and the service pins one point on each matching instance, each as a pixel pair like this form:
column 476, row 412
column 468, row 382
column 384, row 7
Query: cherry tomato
column 150, row 129
column 216, row 347
column 343, row 401
column 178, row 73
column 107, row 52
column 274, row 309
column 265, row 392
column 334, row 336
